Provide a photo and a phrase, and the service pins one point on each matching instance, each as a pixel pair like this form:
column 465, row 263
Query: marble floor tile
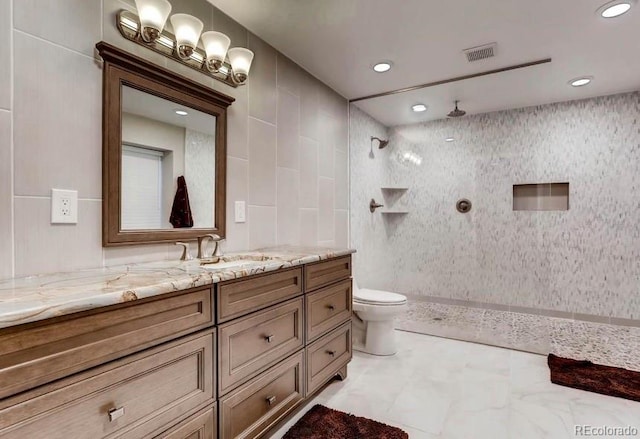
column 437, row 388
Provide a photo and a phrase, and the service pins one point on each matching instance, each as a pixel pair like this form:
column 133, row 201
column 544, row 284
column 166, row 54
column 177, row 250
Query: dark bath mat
column 584, row 375
column 324, row 423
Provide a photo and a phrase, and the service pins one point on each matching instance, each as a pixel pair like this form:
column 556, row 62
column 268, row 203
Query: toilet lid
column 378, row 297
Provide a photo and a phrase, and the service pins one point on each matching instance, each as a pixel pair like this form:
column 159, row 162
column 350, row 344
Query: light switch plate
column 64, row 206
column 240, row 212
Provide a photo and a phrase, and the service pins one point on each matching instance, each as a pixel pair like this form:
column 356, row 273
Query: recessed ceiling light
column 579, row 82
column 181, row 113
column 419, row 108
column 615, row 8
column 449, row 139
column 382, row 67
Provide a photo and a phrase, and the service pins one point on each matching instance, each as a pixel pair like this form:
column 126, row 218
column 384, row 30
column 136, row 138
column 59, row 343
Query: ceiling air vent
column 481, row 52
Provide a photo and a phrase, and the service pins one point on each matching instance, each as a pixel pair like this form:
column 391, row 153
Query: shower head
column 382, row 143
column 456, row 112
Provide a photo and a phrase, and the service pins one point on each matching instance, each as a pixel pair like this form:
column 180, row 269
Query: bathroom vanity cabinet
column 228, row 360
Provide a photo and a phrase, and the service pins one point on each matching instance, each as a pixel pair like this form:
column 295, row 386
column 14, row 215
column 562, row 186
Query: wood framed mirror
column 164, row 153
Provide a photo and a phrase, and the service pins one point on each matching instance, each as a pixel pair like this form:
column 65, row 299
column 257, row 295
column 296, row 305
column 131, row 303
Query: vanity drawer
column 327, row 308
column 327, row 356
column 242, row 296
column 256, row 406
column 323, row 273
column 130, row 398
column 202, row 425
column 253, row 343
column 41, row 353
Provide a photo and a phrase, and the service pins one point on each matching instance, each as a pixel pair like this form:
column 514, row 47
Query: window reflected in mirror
column 168, row 169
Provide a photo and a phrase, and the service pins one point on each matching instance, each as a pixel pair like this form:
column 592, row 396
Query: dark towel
column 181, row 210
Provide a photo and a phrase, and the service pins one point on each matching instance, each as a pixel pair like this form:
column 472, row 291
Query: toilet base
column 374, row 337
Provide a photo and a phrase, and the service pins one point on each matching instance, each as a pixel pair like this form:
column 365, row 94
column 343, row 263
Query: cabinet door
column 327, row 356
column 252, row 344
column 138, row 396
column 42, row 353
column 328, row 308
column 202, row 425
column 253, row 408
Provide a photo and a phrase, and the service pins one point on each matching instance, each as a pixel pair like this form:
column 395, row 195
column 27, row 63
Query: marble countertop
column 29, row 299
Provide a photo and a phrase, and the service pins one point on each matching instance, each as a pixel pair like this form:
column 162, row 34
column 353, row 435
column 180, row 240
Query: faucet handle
column 186, row 254
column 201, row 240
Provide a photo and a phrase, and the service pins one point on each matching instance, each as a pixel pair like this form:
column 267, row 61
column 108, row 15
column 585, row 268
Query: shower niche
column 541, row 197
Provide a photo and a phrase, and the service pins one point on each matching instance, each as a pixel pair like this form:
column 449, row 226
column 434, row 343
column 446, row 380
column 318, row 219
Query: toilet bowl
column 373, row 330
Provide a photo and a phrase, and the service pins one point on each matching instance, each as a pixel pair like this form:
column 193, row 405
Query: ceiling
column 156, row 108
column 339, row 40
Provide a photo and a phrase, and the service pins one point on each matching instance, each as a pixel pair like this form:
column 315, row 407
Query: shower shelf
column 393, row 188
column 394, row 212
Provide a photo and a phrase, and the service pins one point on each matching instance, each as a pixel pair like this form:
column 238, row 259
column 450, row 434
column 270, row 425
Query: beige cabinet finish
column 202, row 425
column 327, row 308
column 251, row 344
column 40, row 353
column 149, row 368
column 129, row 398
column 260, row 403
column 239, row 297
column 320, row 274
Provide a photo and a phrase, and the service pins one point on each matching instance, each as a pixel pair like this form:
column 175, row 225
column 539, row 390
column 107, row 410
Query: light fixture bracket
column 128, row 24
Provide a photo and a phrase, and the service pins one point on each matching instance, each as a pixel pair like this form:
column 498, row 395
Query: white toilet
column 375, row 310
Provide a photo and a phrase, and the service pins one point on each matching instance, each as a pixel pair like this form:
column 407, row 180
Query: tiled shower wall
column 287, row 139
column 583, row 262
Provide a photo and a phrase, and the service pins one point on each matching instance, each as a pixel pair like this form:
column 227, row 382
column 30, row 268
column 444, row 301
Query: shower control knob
column 463, row 205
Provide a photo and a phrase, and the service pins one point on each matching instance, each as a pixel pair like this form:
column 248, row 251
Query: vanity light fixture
column 580, row 82
column 153, row 16
column 216, row 45
column 181, row 113
column 213, row 58
column 382, row 67
column 187, row 29
column 419, row 108
column 615, row 8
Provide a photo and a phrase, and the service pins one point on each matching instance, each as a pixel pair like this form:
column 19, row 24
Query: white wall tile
column 262, row 81
column 326, row 209
column 288, row 129
column 238, row 122
column 6, row 218
column 237, row 190
column 308, row 173
column 289, row 75
column 262, row 163
column 75, row 24
column 328, row 135
column 308, row 226
column 45, row 248
column 5, row 54
column 262, row 226
column 288, row 221
column 341, row 180
column 57, row 120
column 309, row 107
column 135, row 254
column 342, row 228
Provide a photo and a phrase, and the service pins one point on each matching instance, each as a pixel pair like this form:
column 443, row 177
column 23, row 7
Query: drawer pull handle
column 269, row 338
column 331, row 307
column 116, row 413
column 271, row 400
column 332, row 353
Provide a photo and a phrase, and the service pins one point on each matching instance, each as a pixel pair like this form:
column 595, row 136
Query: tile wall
column 287, row 145
column 582, row 262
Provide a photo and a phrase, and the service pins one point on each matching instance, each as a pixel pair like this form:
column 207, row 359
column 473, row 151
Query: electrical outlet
column 64, row 206
column 240, row 214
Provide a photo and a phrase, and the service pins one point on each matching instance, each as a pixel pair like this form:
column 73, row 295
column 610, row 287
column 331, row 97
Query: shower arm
column 373, row 205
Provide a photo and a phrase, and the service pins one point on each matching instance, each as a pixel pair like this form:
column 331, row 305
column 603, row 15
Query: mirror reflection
column 168, row 164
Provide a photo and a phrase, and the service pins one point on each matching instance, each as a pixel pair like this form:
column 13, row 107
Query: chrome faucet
column 216, row 250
